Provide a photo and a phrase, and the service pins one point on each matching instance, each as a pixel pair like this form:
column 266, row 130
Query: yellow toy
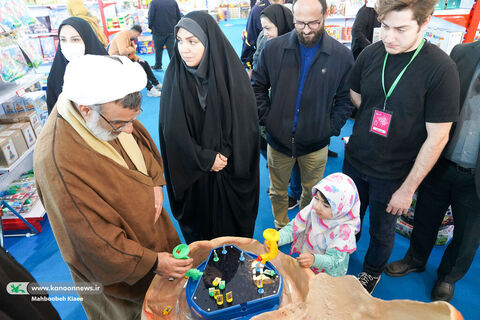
column 167, row 310
column 219, row 299
column 216, row 281
column 271, row 238
column 260, row 283
column 229, row 296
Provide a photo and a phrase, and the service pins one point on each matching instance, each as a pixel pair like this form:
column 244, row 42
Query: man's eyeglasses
column 118, row 125
column 312, row 24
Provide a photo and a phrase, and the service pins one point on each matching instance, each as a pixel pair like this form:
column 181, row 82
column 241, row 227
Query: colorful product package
column 12, row 62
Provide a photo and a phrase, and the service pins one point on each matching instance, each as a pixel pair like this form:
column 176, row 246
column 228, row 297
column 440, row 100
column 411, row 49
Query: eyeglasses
column 118, row 125
column 312, row 24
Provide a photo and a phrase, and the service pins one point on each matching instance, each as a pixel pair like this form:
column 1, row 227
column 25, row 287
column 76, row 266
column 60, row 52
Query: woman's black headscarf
column 280, row 16
column 193, row 131
column 92, row 46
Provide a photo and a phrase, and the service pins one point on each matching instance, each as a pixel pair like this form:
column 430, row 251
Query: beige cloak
column 102, row 216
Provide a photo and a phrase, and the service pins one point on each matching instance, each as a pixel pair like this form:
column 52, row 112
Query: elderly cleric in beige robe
column 99, row 195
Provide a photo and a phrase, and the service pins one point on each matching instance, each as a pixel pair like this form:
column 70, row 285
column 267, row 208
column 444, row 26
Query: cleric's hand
column 169, row 267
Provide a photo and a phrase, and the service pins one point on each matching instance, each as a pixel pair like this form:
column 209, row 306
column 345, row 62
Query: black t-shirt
column 428, row 92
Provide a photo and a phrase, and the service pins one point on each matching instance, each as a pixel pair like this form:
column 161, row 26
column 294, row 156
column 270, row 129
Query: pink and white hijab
column 315, row 235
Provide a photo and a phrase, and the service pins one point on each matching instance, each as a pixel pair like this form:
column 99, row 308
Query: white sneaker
column 154, row 92
column 159, row 86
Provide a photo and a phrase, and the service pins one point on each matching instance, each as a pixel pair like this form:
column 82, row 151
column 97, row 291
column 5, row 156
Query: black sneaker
column 332, row 154
column 157, row 68
column 368, row 281
column 292, row 203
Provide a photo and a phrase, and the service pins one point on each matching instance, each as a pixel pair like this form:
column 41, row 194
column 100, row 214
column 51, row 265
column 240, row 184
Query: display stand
column 9, row 91
column 468, row 18
column 19, row 216
column 101, row 6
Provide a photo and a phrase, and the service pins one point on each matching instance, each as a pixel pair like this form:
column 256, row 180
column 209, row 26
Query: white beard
column 97, row 130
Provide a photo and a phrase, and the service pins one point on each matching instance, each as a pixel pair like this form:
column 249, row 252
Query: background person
column 407, row 93
column 163, row 15
column 455, row 181
column 76, row 8
column 302, row 96
column 76, row 38
column 209, row 134
column 253, row 29
column 365, row 22
column 123, row 45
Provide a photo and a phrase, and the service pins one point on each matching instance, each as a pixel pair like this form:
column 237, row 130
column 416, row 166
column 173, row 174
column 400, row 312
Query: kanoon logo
column 17, row 288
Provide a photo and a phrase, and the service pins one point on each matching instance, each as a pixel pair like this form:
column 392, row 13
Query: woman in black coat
column 76, row 38
column 209, row 134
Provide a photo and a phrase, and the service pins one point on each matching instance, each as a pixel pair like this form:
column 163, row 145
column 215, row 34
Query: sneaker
column 158, row 86
column 402, row 267
column 154, row 92
column 292, row 203
column 157, row 68
column 332, row 154
column 368, row 281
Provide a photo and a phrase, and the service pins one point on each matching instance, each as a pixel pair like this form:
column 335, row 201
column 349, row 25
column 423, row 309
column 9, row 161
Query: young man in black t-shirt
column 401, row 126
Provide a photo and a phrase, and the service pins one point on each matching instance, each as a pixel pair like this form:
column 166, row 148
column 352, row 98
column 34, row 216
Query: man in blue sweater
column 302, row 94
column 163, row 15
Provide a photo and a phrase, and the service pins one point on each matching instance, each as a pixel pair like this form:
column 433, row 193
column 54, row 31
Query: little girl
column 323, row 233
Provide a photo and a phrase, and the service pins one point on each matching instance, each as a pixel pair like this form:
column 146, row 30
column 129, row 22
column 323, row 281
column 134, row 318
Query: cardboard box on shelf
column 30, row 116
column 37, row 129
column 27, row 130
column 19, row 105
column 8, row 154
column 4, row 127
column 8, row 108
column 17, row 139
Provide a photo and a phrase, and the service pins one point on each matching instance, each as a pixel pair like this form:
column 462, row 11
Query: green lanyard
column 387, row 95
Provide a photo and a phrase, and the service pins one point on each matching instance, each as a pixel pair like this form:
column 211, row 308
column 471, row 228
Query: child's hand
column 306, row 260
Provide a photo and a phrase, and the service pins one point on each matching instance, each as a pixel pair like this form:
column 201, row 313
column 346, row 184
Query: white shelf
column 451, row 12
column 42, row 34
column 59, row 5
column 8, row 90
column 37, row 212
column 4, row 170
column 340, row 17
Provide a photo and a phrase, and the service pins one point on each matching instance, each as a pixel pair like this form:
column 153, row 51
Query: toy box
column 17, row 139
column 8, row 153
column 27, row 131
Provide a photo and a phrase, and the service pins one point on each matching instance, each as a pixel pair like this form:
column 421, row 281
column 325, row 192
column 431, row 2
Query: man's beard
column 310, row 42
column 97, row 130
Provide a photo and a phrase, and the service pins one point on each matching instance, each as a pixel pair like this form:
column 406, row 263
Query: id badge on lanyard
column 382, row 118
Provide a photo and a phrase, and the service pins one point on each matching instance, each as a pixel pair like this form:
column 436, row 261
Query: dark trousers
column 158, row 42
column 152, row 80
column 376, row 193
column 447, row 185
column 295, row 187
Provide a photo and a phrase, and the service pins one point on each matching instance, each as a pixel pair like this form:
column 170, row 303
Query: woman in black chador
column 209, row 134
